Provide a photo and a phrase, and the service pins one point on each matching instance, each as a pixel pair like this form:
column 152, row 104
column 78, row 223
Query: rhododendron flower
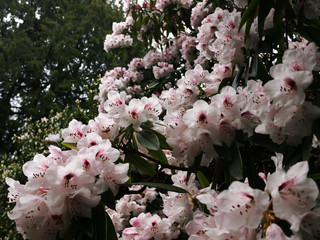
column 287, row 87
column 241, row 206
column 147, row 226
column 74, row 132
column 198, row 227
column 275, row 232
column 293, row 193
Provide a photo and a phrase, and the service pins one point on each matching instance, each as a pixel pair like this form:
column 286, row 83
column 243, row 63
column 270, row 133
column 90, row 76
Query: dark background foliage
column 49, row 50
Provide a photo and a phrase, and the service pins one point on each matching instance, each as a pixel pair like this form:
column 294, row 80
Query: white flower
column 293, row 193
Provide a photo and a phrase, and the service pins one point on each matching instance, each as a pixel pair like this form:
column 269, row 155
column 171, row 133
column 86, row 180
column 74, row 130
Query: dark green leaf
column 162, row 140
column 111, row 231
column 311, row 33
column 108, row 199
column 159, row 155
column 315, row 176
column 237, row 78
column 307, row 143
column 128, row 132
column 81, row 228
column 153, row 84
column 73, row 231
column 223, row 83
column 264, row 9
column 289, row 10
column 183, row 235
column 188, row 175
column 255, row 64
column 277, row 19
column 262, row 73
column 235, row 165
column 316, row 128
column 248, row 27
column 146, row 125
column 265, row 141
column 203, row 179
column 148, row 139
column 285, row 226
column 162, row 186
column 249, row 12
column 99, row 222
column 140, row 163
column 69, row 145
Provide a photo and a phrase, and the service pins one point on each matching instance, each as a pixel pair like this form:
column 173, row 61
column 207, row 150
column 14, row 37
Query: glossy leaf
column 264, row 9
column 277, row 19
column 235, row 165
column 237, row 78
column 307, row 144
column 203, row 179
column 108, row 199
column 159, row 155
column 224, row 82
column 99, row 222
column 148, row 139
column 146, row 125
column 249, row 12
column 162, row 140
column 140, row 163
column 111, row 231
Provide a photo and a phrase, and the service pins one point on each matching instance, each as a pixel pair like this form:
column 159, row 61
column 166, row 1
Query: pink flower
column 287, row 87
column 293, row 193
column 241, row 206
column 74, row 132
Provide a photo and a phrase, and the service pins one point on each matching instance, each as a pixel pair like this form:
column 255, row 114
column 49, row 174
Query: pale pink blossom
column 293, row 193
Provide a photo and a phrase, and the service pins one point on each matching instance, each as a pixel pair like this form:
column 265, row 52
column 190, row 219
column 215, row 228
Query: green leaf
column 311, row 33
column 148, row 139
column 73, row 231
column 235, row 166
column 203, row 179
column 79, row 228
column 249, row 12
column 183, row 235
column 159, row 155
column 111, row 231
column 108, row 199
column 128, row 132
column 265, row 141
column 188, row 175
column 146, row 125
column 316, row 128
column 248, row 27
column 255, row 64
column 99, row 222
column 69, row 145
column 315, row 176
column 277, row 19
column 162, row 140
column 237, row 78
column 223, row 83
column 140, row 163
column 264, row 9
column 162, row 186
column 307, row 143
column 262, row 72
column 285, row 226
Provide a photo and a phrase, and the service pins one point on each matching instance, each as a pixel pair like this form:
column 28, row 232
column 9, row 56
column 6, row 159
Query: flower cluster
column 65, row 184
column 185, row 112
column 234, row 213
